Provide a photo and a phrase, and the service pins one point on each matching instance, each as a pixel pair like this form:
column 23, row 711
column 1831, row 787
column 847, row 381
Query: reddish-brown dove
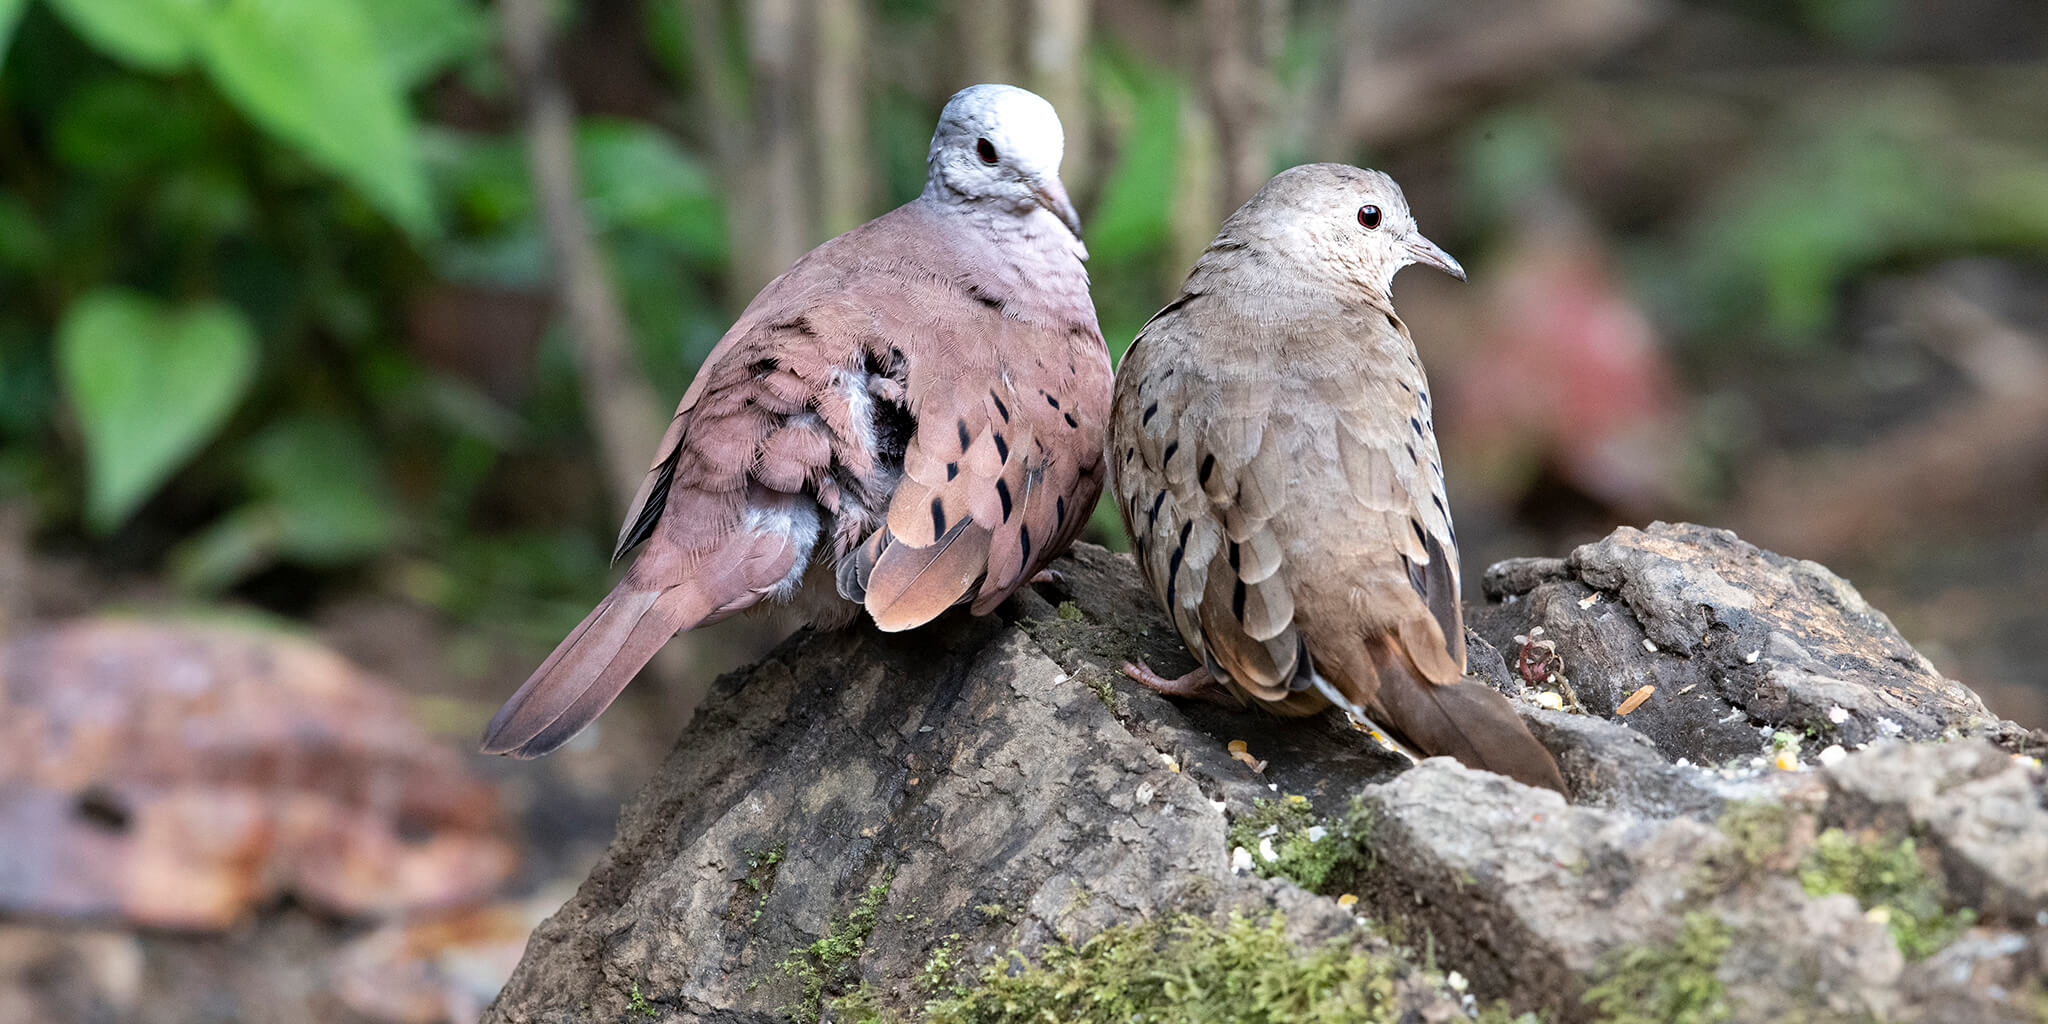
column 909, row 418
column 1272, row 453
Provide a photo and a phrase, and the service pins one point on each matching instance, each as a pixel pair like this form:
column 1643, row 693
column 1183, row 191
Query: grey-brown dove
column 907, row 419
column 1272, row 453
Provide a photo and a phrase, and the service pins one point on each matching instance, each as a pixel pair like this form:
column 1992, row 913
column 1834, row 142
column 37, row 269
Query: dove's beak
column 1425, row 251
column 1053, row 196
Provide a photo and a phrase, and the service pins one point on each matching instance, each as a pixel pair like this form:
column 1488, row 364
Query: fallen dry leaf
column 180, row 773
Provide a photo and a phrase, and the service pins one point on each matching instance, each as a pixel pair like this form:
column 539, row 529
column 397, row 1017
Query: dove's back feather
column 920, row 399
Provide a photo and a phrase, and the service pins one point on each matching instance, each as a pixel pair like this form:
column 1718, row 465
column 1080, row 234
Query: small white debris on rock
column 1837, row 714
column 1240, row 861
column 1266, row 851
column 1455, row 982
column 1167, row 760
column 1218, row 805
column 1316, row 833
column 1549, row 699
column 1890, row 728
column 1832, row 755
column 1589, row 600
column 1751, row 657
column 1144, row 794
column 1648, row 646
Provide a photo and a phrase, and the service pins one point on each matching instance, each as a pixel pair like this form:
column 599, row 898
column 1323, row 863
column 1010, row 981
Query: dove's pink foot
column 1196, row 685
column 1046, row 576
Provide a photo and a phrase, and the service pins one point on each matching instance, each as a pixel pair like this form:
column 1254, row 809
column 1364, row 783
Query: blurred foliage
column 274, row 290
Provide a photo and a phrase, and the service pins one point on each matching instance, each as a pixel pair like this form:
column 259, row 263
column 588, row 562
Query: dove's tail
column 1465, row 719
column 589, row 668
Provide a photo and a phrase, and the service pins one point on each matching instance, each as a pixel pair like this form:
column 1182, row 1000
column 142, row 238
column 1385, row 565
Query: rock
column 1733, row 637
column 863, row 823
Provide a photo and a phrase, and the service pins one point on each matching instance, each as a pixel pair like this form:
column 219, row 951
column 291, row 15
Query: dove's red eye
column 985, row 150
column 1369, row 216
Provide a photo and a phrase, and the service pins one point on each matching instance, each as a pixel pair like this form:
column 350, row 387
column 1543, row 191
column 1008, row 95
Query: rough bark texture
column 996, row 786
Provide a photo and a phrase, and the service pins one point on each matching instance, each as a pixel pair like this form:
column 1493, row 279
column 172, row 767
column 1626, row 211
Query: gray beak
column 1053, row 196
column 1426, row 251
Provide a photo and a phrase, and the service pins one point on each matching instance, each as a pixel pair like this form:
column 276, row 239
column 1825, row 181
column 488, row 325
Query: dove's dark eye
column 1369, row 216
column 986, row 150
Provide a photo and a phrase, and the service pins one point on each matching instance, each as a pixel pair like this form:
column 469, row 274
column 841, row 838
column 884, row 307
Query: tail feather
column 587, row 670
column 1466, row 719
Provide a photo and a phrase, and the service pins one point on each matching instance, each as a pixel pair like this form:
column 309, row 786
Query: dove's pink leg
column 1196, row 685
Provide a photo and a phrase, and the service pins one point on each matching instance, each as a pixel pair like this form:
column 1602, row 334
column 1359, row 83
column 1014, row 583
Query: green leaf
column 636, row 176
column 155, row 35
column 1134, row 216
column 309, row 72
column 150, row 385
column 317, row 497
column 10, row 13
column 321, row 474
column 420, row 38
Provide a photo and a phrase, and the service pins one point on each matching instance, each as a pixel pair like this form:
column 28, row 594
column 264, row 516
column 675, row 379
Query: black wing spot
column 1171, row 447
column 1003, row 492
column 1418, row 577
column 984, row 298
column 1412, row 457
column 1001, row 409
column 952, row 470
column 1130, row 453
column 1050, row 400
column 1420, row 537
column 1439, row 500
column 1071, row 421
column 1237, row 601
column 1059, row 511
column 1153, row 520
column 763, row 367
column 965, row 440
column 1024, row 542
column 938, row 517
column 1150, row 411
column 1002, row 448
column 1415, row 425
column 1233, row 558
column 1208, row 466
column 1180, row 550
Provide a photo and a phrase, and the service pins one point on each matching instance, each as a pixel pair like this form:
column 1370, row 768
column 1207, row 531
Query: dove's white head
column 1000, row 145
column 1336, row 223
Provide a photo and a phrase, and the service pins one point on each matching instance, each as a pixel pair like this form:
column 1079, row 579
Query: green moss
column 1068, row 611
column 760, row 880
column 937, row 977
column 827, row 965
column 1675, row 982
column 638, row 1003
column 1181, row 969
column 1327, row 862
column 1887, row 877
column 1759, row 831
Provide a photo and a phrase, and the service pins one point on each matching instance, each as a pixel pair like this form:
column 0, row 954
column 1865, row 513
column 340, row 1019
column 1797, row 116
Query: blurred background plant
column 364, row 314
